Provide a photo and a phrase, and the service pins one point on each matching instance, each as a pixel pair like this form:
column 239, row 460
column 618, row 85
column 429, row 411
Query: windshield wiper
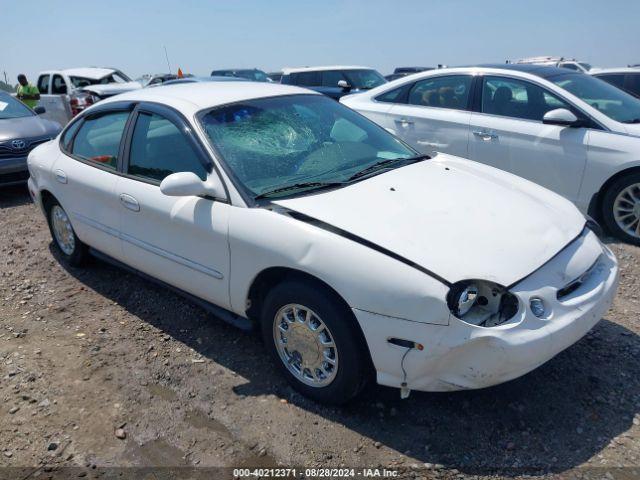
column 298, row 186
column 382, row 164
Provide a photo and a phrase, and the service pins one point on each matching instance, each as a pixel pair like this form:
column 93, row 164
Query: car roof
column 212, row 78
column 237, row 70
column 190, row 98
column 94, row 73
column 616, row 70
column 288, row 70
column 543, row 71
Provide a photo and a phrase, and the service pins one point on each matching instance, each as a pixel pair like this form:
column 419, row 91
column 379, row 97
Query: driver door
column 179, row 240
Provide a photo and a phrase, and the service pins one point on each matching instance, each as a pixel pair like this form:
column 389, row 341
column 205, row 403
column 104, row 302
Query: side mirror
column 185, row 184
column 344, row 85
column 562, row 117
column 39, row 110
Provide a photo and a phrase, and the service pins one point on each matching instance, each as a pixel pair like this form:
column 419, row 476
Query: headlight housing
column 481, row 303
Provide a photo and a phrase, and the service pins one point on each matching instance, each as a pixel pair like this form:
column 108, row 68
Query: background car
column 400, row 72
column 567, row 131
column 252, row 74
column 156, row 79
column 21, row 130
column 299, row 224
column 561, row 62
column 275, row 76
column 333, row 81
column 65, row 93
column 628, row 79
column 191, row 79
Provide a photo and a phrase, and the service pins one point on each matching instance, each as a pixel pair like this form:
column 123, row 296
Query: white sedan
column 276, row 206
column 566, row 131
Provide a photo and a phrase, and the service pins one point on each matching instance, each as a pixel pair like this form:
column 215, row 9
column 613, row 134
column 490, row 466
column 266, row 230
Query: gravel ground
column 100, row 368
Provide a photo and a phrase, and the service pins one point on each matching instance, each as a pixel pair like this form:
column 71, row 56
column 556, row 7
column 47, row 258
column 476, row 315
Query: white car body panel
column 449, row 218
column 416, row 212
column 575, row 163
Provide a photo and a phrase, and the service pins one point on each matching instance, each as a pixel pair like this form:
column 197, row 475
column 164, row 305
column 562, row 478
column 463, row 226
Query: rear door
column 86, row 175
column 435, row 114
column 179, row 240
column 508, row 133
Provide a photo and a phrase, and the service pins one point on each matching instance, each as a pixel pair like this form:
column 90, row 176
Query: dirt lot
column 84, row 353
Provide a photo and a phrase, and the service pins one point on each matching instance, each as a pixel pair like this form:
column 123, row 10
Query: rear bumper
column 463, row 356
column 13, row 170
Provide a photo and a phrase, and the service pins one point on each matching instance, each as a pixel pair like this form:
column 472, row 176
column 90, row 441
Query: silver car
column 21, row 130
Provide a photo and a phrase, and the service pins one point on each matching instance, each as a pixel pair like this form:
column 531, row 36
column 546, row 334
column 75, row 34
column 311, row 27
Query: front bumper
column 463, row 356
column 13, row 170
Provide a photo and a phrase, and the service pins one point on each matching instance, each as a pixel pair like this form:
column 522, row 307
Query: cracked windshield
column 290, row 142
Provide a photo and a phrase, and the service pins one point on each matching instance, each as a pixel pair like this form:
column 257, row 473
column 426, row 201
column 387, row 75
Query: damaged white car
column 276, row 206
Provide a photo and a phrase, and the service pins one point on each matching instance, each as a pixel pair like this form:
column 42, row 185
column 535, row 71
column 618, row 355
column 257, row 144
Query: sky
column 270, row 34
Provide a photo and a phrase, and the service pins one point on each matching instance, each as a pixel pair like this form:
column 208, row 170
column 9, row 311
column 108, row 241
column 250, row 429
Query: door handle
column 404, row 122
column 486, row 136
column 60, row 176
column 129, row 202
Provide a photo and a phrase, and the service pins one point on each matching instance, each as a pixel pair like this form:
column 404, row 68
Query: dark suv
column 334, row 82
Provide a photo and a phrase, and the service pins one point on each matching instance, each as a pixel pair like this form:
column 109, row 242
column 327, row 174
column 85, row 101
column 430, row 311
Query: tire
column 67, row 243
column 620, row 194
column 352, row 369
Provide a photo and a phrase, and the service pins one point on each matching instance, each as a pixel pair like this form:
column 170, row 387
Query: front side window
column 607, row 99
column 362, row 79
column 12, row 108
column 330, row 78
column 442, row 92
column 43, row 84
column 98, row 139
column 509, row 97
column 274, row 143
column 159, row 148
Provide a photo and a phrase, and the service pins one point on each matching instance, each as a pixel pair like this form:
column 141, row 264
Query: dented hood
column 110, row 89
column 455, row 217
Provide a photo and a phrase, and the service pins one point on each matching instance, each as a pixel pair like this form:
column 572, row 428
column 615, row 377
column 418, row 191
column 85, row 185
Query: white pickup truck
column 65, row 93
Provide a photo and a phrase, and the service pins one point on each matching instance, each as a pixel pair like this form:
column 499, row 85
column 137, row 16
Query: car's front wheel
column 64, row 237
column 315, row 341
column 621, row 208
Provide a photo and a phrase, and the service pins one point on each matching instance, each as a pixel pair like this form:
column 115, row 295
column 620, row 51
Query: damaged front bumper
column 577, row 287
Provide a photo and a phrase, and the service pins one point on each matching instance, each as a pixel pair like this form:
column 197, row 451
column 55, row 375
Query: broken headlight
column 481, row 303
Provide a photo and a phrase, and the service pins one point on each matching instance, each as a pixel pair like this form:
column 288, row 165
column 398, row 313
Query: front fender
column 366, row 279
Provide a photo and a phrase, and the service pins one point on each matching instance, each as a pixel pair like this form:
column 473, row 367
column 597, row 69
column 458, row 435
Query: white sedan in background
column 277, row 206
column 566, row 131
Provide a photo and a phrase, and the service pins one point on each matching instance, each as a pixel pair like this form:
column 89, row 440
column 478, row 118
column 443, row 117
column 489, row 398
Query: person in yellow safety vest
column 27, row 93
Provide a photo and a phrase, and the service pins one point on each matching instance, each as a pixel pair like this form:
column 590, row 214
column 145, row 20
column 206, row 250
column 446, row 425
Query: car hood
column 457, row 218
column 633, row 129
column 110, row 89
column 27, row 127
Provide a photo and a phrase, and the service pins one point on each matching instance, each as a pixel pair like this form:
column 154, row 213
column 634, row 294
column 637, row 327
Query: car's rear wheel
column 315, row 341
column 621, row 208
column 64, row 237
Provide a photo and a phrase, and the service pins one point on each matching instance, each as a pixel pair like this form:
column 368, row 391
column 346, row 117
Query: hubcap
column 626, row 210
column 305, row 345
column 62, row 230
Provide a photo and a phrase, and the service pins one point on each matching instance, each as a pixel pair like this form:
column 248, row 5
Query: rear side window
column 98, row 139
column 59, row 87
column 392, row 96
column 442, row 92
column 43, row 84
column 159, row 148
column 67, row 136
